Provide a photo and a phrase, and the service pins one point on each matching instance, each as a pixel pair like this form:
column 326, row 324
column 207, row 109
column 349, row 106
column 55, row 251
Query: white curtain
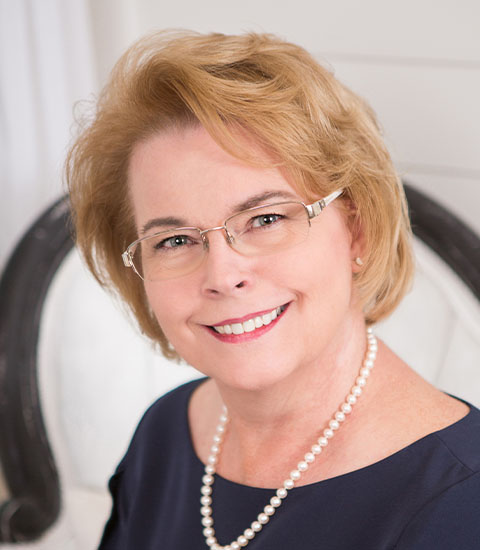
column 46, row 65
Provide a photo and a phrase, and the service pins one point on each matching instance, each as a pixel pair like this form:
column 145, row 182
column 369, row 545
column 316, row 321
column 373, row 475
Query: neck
column 273, row 425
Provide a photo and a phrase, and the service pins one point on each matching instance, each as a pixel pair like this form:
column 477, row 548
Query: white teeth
column 267, row 319
column 237, row 328
column 251, row 324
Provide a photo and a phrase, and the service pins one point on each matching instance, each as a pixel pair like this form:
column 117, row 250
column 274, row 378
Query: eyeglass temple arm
column 315, row 208
column 127, row 259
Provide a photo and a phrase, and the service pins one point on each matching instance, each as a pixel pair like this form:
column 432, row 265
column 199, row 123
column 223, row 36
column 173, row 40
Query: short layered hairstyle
column 324, row 136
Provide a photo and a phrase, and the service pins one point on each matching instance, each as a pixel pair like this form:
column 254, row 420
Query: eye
column 265, row 220
column 173, row 242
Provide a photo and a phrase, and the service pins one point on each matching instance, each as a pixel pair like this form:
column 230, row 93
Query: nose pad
column 230, row 238
column 206, row 244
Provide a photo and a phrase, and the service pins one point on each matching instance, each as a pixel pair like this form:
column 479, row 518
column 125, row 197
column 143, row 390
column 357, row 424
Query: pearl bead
column 360, row 381
column 207, row 479
column 346, row 408
column 368, row 363
column 206, row 490
column 302, row 466
column 220, row 428
column 217, row 438
column 234, row 545
column 323, row 441
column 214, row 449
column 257, row 526
column 351, row 399
column 365, row 372
column 328, row 433
column 210, row 469
column 223, row 418
column 309, row 458
column 206, row 500
column 242, row 540
column 212, row 459
column 209, row 531
column 316, row 449
column 275, row 501
column 249, row 533
column 288, row 484
column 211, row 541
column 206, row 511
column 263, row 518
column 207, row 521
column 334, row 425
column 295, row 475
column 369, row 330
column 339, row 416
column 357, row 391
column 371, row 354
column 269, row 510
column 282, row 492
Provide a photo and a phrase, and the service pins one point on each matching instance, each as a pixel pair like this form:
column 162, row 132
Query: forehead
column 185, row 173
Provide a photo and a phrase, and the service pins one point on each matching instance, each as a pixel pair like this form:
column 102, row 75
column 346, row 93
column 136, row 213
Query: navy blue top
column 425, row 496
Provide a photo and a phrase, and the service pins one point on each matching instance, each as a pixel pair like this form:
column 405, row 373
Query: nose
column 225, row 271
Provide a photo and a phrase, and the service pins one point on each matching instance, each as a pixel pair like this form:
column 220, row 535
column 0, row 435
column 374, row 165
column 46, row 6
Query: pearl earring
column 358, row 261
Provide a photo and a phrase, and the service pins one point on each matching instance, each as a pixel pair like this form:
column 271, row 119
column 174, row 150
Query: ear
column 357, row 244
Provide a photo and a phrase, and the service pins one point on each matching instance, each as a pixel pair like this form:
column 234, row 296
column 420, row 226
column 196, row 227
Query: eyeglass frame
column 313, row 210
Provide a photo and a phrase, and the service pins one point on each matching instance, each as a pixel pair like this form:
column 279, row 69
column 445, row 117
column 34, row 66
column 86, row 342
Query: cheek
column 327, row 272
column 171, row 304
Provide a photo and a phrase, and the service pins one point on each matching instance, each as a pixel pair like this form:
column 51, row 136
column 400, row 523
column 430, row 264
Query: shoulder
column 173, row 402
column 451, row 518
column 462, row 439
column 163, row 423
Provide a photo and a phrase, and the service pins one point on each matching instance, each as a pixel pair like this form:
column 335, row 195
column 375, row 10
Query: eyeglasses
column 257, row 231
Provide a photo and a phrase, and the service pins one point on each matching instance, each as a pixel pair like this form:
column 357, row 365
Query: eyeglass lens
column 258, row 231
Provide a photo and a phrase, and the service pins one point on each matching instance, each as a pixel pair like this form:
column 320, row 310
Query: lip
column 246, row 336
column 244, row 318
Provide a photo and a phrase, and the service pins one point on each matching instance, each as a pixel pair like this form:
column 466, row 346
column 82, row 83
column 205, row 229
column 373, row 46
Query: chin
column 253, row 375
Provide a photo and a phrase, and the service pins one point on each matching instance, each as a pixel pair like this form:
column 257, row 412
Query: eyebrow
column 167, row 221
column 256, row 200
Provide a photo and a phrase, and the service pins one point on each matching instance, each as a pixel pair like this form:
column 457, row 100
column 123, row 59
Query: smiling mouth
column 252, row 324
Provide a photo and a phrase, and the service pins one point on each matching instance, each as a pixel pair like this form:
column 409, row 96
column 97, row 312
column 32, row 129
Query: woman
column 242, row 203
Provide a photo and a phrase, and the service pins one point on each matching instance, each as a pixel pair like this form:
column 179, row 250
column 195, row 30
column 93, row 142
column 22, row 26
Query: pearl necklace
column 264, row 517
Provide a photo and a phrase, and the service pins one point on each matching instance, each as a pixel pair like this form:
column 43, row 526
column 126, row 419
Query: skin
column 281, row 387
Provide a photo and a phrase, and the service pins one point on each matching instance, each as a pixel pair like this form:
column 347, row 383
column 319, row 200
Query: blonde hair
column 323, row 135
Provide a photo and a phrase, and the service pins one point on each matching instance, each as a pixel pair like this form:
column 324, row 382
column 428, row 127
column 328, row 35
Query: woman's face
column 184, row 174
